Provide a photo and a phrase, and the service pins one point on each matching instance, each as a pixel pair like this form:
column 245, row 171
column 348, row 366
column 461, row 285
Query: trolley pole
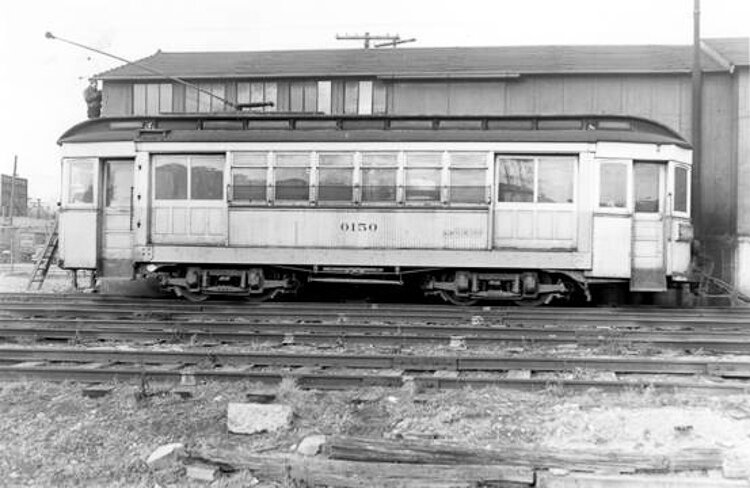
column 11, row 206
column 697, row 119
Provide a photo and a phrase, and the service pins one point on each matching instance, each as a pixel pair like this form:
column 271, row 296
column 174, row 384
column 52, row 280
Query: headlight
column 685, row 232
column 151, row 268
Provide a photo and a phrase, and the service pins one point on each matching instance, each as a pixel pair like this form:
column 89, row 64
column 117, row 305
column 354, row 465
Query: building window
column 468, row 177
column 536, row 180
column 613, row 184
column 81, row 181
column 152, row 98
column 379, row 172
column 335, row 177
column 422, row 175
column 203, row 176
column 292, row 176
column 680, row 189
column 324, row 97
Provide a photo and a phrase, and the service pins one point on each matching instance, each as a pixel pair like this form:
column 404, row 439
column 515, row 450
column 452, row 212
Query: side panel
column 612, row 237
column 364, row 228
column 78, row 238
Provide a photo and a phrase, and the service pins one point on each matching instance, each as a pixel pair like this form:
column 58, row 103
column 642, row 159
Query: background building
column 20, row 196
column 648, row 81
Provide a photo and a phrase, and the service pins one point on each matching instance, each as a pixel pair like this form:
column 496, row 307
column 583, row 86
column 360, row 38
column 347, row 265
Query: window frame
column 350, row 166
column 628, row 208
column 484, row 166
column 236, row 164
column 189, row 198
column 67, row 174
column 310, row 179
column 396, row 167
column 535, row 203
column 440, row 166
column 672, row 188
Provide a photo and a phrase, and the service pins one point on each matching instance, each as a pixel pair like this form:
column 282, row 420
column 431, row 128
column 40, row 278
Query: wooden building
column 647, row 81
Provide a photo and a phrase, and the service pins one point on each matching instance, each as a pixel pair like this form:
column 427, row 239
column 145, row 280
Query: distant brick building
column 20, row 196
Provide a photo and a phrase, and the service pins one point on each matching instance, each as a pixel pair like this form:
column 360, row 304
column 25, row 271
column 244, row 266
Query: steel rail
column 225, row 328
column 727, row 343
column 344, row 381
column 563, row 316
column 450, row 362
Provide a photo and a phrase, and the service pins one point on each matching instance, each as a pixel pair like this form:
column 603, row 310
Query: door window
column 119, row 178
column 646, row 181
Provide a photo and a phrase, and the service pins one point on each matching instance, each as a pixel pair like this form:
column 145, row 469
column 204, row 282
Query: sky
column 42, row 81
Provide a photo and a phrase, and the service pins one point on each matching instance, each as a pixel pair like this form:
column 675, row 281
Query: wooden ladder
column 41, row 267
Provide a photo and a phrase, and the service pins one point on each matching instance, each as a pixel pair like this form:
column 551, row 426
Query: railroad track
column 91, row 318
column 110, row 307
column 345, row 333
column 338, row 371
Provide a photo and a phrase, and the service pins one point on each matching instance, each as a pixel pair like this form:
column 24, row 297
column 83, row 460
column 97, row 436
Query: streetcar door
column 117, row 219
column 649, row 271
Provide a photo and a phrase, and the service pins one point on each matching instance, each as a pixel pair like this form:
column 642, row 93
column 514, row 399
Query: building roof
column 444, row 62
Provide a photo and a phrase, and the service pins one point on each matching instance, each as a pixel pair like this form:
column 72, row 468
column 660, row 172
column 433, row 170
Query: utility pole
column 11, row 206
column 697, row 118
column 367, row 37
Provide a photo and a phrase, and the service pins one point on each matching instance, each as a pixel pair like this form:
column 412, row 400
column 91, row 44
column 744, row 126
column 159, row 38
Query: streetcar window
column 335, row 176
column 81, row 182
column 555, row 177
column 170, row 180
column 422, row 173
column 467, row 185
column 468, row 177
column 293, row 176
column 379, row 177
column 680, row 189
column 249, row 184
column 206, row 178
column 646, row 181
column 515, row 180
column 613, row 184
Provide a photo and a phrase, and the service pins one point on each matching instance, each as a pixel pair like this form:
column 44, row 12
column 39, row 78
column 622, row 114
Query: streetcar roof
column 249, row 127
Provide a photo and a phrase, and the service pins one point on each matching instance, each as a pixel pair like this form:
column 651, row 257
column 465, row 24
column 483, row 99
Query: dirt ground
column 52, row 435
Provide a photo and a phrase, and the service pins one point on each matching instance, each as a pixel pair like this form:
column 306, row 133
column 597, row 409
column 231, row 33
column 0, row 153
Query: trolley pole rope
column 49, row 35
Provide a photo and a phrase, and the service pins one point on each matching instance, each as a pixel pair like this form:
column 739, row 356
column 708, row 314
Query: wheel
column 451, row 297
column 192, row 296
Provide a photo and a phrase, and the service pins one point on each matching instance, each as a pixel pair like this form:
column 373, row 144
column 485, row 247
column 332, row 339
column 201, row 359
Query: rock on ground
column 253, row 418
column 165, row 455
column 311, row 445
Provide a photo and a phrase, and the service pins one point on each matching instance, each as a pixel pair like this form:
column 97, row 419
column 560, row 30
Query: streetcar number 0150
column 358, row 227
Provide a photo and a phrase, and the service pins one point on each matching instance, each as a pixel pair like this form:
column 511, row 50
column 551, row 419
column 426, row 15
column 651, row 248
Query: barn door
column 649, row 271
column 117, row 218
